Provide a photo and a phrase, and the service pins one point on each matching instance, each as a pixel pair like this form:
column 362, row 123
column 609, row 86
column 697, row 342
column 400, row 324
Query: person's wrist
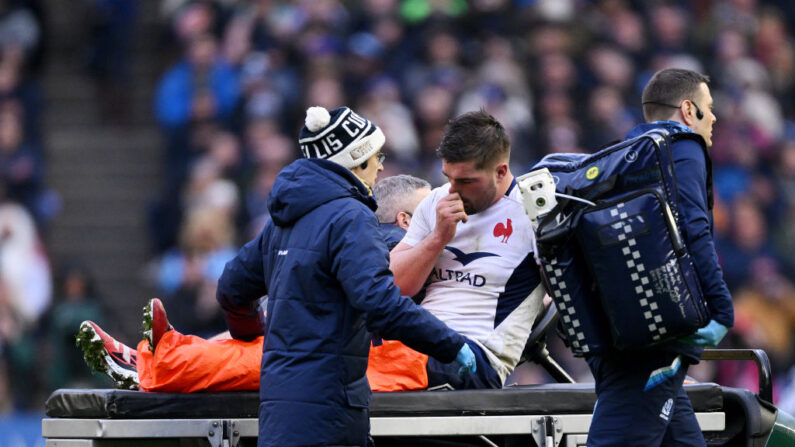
column 438, row 240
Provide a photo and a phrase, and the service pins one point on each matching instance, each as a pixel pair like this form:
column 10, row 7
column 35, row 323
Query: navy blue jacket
column 324, row 266
column 693, row 179
column 392, row 234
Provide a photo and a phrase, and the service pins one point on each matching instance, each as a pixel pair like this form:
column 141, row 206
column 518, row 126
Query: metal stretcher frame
column 553, row 415
column 548, row 430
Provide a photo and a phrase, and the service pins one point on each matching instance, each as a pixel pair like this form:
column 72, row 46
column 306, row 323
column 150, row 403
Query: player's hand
column 449, row 211
column 466, row 358
column 709, row 335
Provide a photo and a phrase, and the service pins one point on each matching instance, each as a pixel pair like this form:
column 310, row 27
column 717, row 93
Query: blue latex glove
column 466, row 358
column 709, row 335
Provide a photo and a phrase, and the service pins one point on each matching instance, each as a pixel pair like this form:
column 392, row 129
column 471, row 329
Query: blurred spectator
column 201, row 88
column 112, row 23
column 21, row 166
column 785, row 169
column 609, row 66
column 269, row 150
column 776, row 51
column 24, row 271
column 609, row 118
column 187, row 275
column 25, row 293
column 225, row 152
column 363, row 62
column 325, row 91
column 267, row 145
column 257, row 199
column 766, row 307
column 433, row 107
column 441, row 66
column 669, row 28
column 23, row 96
column 189, row 19
column 20, row 31
column 625, row 29
column 207, row 188
column 266, row 92
column 499, row 86
column 382, row 104
column 76, row 301
column 749, row 241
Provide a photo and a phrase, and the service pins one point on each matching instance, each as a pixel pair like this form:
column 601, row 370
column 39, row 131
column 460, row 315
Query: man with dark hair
column 476, row 137
column 676, row 88
column 470, row 242
column 641, row 401
column 476, row 140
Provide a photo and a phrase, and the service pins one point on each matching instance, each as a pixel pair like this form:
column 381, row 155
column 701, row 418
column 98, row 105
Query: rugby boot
column 155, row 322
column 104, row 354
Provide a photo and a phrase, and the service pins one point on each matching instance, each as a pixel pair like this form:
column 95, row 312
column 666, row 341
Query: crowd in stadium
column 561, row 75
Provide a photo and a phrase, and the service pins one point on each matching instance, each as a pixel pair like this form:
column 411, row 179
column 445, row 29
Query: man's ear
column 502, row 170
column 403, row 220
column 687, row 111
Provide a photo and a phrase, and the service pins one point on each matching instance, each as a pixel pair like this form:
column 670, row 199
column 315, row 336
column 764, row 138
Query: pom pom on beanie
column 317, row 118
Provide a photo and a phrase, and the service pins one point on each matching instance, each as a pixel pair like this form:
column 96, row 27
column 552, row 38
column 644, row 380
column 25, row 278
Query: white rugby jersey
column 485, row 284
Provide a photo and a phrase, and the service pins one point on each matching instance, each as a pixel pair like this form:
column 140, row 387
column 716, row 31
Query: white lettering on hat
column 316, row 149
column 328, row 146
column 357, row 121
column 336, row 144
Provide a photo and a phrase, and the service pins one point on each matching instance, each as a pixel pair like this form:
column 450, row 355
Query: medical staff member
column 641, row 401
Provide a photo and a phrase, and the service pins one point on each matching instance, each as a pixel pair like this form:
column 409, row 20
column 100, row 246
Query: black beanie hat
column 340, row 136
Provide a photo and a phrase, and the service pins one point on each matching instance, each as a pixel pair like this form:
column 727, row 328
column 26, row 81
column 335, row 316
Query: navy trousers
column 641, row 402
column 447, row 373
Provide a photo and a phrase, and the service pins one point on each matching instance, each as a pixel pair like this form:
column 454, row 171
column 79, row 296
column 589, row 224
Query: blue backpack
column 612, row 251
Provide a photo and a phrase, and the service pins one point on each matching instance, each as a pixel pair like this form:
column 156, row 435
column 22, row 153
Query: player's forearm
column 412, row 265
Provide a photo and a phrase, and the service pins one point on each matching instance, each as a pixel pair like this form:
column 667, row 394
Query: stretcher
column 544, row 415
column 548, row 415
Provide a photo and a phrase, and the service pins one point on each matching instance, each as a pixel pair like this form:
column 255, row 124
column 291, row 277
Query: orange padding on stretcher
column 187, row 364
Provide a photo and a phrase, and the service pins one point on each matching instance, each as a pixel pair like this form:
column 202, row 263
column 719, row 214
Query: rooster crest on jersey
column 340, row 136
column 504, row 231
